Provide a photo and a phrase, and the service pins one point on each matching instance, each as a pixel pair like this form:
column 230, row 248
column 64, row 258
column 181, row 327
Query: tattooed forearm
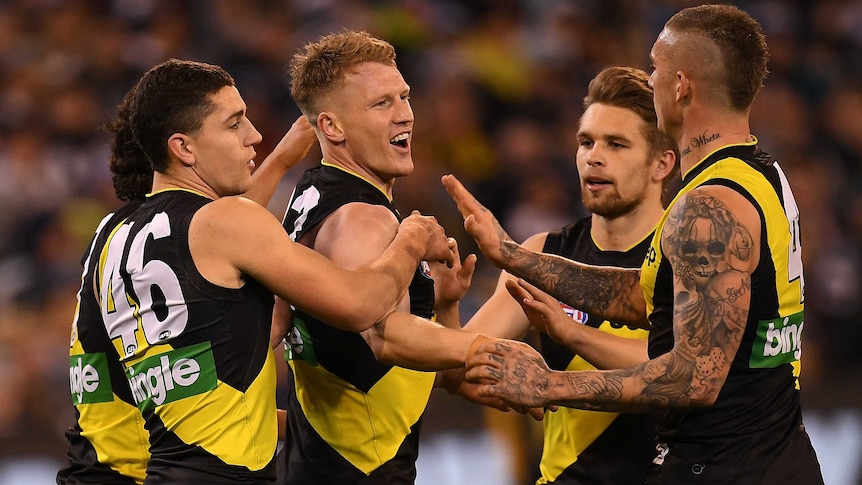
column 710, row 252
column 599, row 388
column 613, row 293
column 712, row 255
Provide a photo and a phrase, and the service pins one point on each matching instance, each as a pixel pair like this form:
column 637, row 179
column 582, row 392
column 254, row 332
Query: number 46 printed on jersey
column 139, row 298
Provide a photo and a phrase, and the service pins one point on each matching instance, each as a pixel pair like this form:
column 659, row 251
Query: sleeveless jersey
column 196, row 355
column 739, row 439
column 108, row 443
column 351, row 419
column 586, row 447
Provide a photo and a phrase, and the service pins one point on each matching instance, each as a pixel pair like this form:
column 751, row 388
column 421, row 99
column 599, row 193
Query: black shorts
column 795, row 464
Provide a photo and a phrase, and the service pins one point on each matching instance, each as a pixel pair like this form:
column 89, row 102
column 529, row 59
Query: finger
column 485, row 354
column 519, row 409
column 518, row 292
column 535, row 292
column 536, row 413
column 465, row 201
column 453, row 244
column 495, row 402
column 481, row 374
column 452, row 258
column 468, row 266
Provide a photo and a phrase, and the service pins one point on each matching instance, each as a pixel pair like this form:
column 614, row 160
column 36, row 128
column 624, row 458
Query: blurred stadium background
column 496, row 89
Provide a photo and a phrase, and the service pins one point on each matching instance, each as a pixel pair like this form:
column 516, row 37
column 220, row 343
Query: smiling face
column 223, row 147
column 373, row 112
column 614, row 161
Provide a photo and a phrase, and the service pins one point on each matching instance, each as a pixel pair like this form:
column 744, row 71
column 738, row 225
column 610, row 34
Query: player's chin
column 404, row 167
column 242, row 187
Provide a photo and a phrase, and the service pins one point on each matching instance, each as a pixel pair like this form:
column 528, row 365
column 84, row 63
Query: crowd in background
column 497, row 87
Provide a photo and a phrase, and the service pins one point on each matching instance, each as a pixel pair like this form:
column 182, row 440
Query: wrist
column 449, row 379
column 556, row 390
column 414, row 242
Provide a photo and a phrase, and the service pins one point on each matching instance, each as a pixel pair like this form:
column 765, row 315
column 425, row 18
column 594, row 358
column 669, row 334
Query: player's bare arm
column 712, row 239
column 613, row 293
column 233, row 237
column 357, row 233
column 601, row 349
column 413, row 342
column 501, row 316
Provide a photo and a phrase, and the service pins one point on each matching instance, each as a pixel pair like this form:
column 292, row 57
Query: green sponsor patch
column 89, row 380
column 777, row 341
column 299, row 343
column 173, row 375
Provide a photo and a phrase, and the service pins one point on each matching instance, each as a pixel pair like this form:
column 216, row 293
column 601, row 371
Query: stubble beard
column 609, row 207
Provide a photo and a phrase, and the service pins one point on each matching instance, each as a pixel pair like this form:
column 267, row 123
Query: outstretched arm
column 233, row 238
column 613, row 293
column 712, row 296
column 602, row 349
column 413, row 342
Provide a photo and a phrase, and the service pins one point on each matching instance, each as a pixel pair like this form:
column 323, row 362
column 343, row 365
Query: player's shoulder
column 231, row 205
column 363, row 216
column 716, row 200
column 230, row 215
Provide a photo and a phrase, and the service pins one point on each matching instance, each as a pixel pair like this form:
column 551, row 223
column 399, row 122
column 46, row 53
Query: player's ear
column 666, row 166
column 330, row 126
column 683, row 87
column 179, row 147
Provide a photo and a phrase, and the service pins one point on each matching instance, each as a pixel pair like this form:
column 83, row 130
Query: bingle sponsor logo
column 88, row 379
column 778, row 341
column 172, row 376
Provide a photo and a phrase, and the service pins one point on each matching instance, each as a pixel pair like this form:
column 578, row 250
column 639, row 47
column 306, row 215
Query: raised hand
column 295, row 144
column 452, row 282
column 511, row 371
column 543, row 310
column 479, row 222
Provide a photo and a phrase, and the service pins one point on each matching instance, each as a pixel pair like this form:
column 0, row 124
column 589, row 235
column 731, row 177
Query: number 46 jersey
column 196, row 355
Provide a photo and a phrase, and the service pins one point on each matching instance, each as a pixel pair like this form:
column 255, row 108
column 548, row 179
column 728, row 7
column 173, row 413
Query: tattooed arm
column 712, row 238
column 614, row 293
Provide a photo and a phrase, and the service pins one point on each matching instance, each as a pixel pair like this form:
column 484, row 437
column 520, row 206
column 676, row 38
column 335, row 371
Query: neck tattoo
column 699, row 141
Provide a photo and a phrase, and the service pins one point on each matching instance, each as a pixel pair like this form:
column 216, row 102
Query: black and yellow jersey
column 757, row 413
column 196, row 355
column 582, row 446
column 350, row 417
column 108, row 443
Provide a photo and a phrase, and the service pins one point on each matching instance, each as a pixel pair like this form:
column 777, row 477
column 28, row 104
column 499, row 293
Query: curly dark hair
column 172, row 97
column 132, row 172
